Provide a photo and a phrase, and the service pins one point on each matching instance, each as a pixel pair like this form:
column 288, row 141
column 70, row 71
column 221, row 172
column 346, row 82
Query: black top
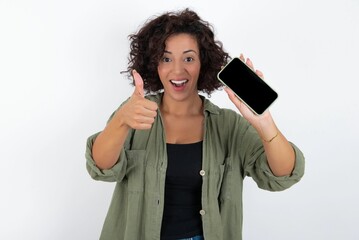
column 181, row 218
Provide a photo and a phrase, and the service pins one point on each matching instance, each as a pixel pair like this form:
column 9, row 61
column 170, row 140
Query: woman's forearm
column 108, row 144
column 280, row 153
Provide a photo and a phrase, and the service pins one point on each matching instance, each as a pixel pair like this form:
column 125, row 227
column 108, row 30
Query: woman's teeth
column 179, row 83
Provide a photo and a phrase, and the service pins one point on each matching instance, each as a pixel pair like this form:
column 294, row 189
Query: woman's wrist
column 271, row 139
column 266, row 128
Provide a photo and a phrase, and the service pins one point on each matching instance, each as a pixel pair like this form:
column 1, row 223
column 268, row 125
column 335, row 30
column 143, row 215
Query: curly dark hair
column 148, row 45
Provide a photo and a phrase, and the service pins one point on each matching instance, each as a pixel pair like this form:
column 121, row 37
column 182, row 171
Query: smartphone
column 247, row 85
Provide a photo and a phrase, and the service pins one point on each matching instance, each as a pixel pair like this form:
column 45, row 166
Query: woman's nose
column 178, row 67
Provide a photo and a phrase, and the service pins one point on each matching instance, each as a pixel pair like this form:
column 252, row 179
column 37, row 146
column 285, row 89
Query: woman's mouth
column 179, row 83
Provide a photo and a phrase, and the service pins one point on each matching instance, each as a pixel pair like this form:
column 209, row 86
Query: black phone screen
column 247, row 85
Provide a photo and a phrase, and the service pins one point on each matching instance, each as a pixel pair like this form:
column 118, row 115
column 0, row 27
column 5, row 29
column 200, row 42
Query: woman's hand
column 262, row 123
column 138, row 112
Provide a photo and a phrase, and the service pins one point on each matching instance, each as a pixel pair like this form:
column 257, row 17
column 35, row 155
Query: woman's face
column 180, row 66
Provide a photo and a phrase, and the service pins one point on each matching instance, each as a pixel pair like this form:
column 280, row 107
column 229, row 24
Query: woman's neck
column 192, row 106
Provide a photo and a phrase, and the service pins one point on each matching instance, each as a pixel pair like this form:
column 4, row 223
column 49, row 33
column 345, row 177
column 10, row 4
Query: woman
column 179, row 161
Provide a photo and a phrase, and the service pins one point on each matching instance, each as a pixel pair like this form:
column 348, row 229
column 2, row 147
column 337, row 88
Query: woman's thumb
column 138, row 83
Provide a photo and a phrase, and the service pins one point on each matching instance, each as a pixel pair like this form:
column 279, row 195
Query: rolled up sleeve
column 114, row 174
column 265, row 179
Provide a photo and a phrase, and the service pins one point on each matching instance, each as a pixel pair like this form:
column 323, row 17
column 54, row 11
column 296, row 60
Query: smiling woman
column 180, row 67
column 149, row 45
column 179, row 160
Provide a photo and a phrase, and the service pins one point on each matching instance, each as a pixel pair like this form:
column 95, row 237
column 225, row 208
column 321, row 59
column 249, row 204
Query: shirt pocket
column 135, row 172
column 225, row 181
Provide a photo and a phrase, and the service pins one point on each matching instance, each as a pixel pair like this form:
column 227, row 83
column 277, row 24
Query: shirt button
column 202, row 173
column 202, row 212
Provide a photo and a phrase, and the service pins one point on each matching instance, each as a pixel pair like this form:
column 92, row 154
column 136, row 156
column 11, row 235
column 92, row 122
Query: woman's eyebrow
column 187, row 51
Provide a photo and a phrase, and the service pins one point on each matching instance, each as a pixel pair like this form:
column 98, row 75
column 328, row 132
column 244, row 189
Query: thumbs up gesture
column 138, row 112
column 138, row 84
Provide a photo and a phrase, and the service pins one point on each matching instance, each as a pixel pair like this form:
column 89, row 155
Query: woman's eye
column 188, row 59
column 166, row 59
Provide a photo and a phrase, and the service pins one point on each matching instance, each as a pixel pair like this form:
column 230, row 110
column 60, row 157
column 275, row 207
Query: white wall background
column 60, row 64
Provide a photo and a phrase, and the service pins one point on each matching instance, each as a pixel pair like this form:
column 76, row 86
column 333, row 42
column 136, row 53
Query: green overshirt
column 232, row 150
